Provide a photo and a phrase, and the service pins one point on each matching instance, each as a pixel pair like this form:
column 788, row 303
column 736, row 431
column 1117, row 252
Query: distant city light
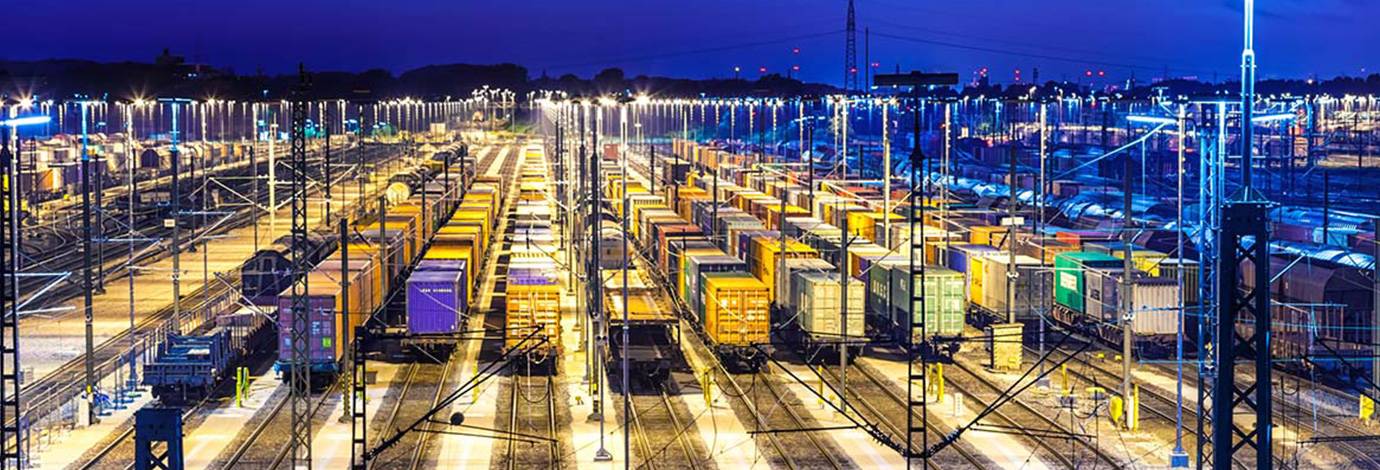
column 26, row 121
column 1151, row 120
column 1267, row 118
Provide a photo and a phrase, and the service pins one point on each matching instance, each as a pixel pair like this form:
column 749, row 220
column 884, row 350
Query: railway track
column 660, row 432
column 1022, row 415
column 51, row 391
column 774, row 414
column 119, row 452
column 1351, row 441
column 422, row 389
column 48, row 393
column 66, row 258
column 890, row 415
column 268, row 443
column 533, row 424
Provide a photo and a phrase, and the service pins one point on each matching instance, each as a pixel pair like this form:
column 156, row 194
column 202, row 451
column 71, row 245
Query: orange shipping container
column 737, row 311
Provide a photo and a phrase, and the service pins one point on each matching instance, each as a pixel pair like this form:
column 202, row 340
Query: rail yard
column 906, row 272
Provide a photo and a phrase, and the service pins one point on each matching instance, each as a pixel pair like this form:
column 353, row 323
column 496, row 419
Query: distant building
column 182, row 69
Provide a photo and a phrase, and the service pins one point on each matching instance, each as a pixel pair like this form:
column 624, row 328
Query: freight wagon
column 819, row 325
column 380, row 254
column 532, row 310
column 652, row 350
column 1323, row 310
column 737, row 318
column 894, row 319
column 1087, row 298
column 190, row 367
column 269, row 270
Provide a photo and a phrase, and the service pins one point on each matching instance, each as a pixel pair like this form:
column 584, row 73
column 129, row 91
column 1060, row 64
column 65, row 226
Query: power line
column 1021, row 44
column 1035, row 55
column 724, row 48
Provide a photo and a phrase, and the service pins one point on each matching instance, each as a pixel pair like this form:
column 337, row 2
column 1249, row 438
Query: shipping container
column 436, row 302
column 818, row 306
column 737, row 310
column 1070, row 287
column 1030, row 285
column 888, row 300
column 764, row 255
column 533, row 313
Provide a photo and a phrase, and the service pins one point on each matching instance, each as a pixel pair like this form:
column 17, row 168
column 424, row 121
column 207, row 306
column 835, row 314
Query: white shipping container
column 1155, row 307
column 800, row 266
column 818, row 301
column 994, row 287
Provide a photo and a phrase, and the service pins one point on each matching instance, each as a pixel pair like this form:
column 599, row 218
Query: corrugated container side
column 435, row 301
column 817, row 302
column 1155, row 303
column 737, row 309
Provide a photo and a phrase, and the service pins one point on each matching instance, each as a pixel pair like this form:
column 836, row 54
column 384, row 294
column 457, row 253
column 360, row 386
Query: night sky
column 707, row 38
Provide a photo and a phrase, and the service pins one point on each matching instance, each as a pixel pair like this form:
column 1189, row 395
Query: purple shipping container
column 321, row 311
column 531, row 276
column 440, row 265
column 435, row 301
column 745, row 241
column 958, row 256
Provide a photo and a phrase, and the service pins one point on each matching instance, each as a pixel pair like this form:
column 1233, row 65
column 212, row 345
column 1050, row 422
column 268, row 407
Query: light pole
column 11, row 380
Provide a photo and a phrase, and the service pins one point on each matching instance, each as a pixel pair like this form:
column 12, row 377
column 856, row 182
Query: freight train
column 652, row 349
column 191, row 367
column 969, row 272
column 381, row 252
column 532, row 309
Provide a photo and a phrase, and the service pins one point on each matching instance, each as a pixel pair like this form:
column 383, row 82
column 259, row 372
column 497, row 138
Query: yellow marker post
column 937, row 382
column 1066, row 388
column 707, row 384
column 239, row 387
column 1133, row 410
column 1367, row 408
column 1118, row 406
column 820, row 397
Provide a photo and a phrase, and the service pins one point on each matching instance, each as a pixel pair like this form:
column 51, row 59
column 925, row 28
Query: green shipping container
column 1070, row 285
column 944, row 304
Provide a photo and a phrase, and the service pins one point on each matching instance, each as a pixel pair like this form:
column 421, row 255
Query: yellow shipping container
column 773, row 214
column 474, row 214
column 765, row 256
column 737, row 311
column 1144, row 260
column 975, row 278
column 990, row 235
column 531, row 306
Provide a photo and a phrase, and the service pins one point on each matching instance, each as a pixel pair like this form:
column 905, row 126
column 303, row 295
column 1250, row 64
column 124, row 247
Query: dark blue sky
column 706, row 38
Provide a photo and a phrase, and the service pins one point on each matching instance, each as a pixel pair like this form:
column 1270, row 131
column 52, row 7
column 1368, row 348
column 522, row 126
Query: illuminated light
column 795, row 50
column 795, row 68
column 1151, row 120
column 1087, row 73
column 761, row 70
column 1101, row 73
column 1273, row 118
column 26, row 121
